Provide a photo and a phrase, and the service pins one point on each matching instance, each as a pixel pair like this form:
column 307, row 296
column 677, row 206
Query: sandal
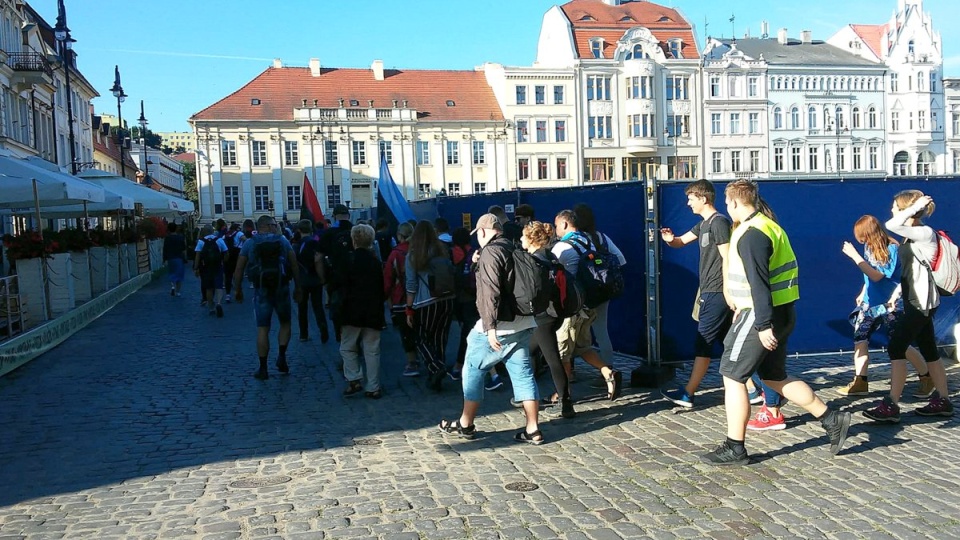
column 615, row 378
column 373, row 395
column 454, row 428
column 353, row 388
column 535, row 438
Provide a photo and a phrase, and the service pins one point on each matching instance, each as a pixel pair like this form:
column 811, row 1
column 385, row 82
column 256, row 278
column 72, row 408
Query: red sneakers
column 766, row 421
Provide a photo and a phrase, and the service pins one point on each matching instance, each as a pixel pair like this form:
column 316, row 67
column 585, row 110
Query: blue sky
column 180, row 57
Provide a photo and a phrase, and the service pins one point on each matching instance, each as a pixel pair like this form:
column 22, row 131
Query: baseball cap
column 340, row 209
column 487, row 221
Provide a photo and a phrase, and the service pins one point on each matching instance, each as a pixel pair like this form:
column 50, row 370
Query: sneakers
column 282, row 365
column 261, row 374
column 756, row 396
column 454, row 374
column 926, row 387
column 836, row 424
column 227, row 299
column 495, row 382
column 678, row 397
column 173, row 291
column 213, row 311
column 411, row 371
column 766, row 421
column 859, row 387
column 886, row 411
column 725, row 454
column 219, row 311
column 938, row 406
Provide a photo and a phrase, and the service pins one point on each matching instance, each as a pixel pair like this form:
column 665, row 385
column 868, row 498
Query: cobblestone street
column 148, row 424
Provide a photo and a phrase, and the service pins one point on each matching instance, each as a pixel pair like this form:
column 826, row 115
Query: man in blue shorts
column 271, row 265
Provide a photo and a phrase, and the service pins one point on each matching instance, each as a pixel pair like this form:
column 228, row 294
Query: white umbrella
column 154, row 203
column 53, row 187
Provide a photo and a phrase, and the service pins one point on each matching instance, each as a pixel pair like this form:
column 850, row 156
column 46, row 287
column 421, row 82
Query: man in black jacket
column 501, row 335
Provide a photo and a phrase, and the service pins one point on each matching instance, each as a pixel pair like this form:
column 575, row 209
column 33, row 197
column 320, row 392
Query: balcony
column 641, row 145
column 29, row 68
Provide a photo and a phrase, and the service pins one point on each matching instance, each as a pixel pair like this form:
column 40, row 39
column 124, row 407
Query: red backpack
column 945, row 265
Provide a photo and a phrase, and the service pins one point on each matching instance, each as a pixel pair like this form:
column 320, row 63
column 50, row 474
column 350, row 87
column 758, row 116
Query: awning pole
column 43, row 258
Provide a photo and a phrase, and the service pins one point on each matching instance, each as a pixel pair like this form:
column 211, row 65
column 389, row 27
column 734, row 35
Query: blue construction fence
column 817, row 215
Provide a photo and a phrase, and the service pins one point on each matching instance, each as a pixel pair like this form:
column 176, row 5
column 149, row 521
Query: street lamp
column 143, row 141
column 118, row 93
column 62, row 34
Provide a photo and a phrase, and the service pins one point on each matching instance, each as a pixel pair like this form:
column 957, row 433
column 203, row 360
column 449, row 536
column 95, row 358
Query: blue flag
column 390, row 201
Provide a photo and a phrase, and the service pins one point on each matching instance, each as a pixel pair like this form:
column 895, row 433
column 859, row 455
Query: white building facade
column 951, row 89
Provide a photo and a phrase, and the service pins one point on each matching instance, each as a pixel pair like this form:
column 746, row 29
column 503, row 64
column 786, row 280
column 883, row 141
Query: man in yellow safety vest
column 762, row 281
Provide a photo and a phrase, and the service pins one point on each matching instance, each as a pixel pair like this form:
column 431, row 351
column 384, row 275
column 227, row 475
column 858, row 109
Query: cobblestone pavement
column 141, row 425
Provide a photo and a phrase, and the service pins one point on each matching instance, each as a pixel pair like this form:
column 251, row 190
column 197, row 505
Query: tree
column 153, row 140
column 190, row 183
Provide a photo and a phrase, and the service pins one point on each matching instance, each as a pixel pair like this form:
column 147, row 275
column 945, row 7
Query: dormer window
column 596, row 47
column 627, row 18
column 664, row 19
column 354, row 103
column 587, row 18
column 910, row 47
column 676, row 48
column 451, row 103
column 637, row 53
column 254, row 101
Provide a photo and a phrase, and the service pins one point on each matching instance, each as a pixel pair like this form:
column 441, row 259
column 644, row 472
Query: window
column 677, row 125
column 600, row 127
column 521, row 131
column 715, row 86
column 676, row 48
column 642, row 88
column 540, row 94
column 453, row 189
column 598, row 170
column 754, row 160
column 794, row 118
column 291, row 156
column 259, row 153
column 893, row 83
column 778, row 159
column 561, row 168
column 841, row 158
column 733, row 85
column 754, row 123
column 261, row 198
column 777, row 118
column 293, row 198
column 333, row 195
column 873, row 157
column 231, row 198
column 541, row 131
column 598, row 88
column 453, row 153
column 359, row 153
column 558, row 95
column 715, row 124
column 857, row 158
column 933, row 81
column 910, row 120
column 895, row 121
column 956, row 124
column 425, row 190
column 735, row 161
column 560, row 129
column 872, row 118
column 922, row 120
column 543, row 168
column 479, row 153
column 330, row 156
column 386, row 150
column 228, row 153
column 521, row 95
column 641, row 125
column 676, row 87
column 920, row 77
column 423, row 153
column 813, row 158
column 523, row 168
column 717, row 162
column 753, row 86
column 734, row 123
column 795, row 158
column 596, row 47
column 479, row 187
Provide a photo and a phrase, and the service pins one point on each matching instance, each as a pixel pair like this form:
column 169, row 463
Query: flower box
column 82, row 288
column 113, row 270
column 30, row 282
column 60, row 278
column 98, row 270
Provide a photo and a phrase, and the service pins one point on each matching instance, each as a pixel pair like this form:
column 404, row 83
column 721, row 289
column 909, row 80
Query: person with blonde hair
column 362, row 314
column 920, row 302
column 395, row 290
column 879, row 302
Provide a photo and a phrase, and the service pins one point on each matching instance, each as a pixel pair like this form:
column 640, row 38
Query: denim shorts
column 266, row 302
column 175, row 270
column 515, row 353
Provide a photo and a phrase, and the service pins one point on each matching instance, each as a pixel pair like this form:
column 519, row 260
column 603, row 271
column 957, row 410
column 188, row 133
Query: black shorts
column 743, row 354
column 715, row 319
column 211, row 278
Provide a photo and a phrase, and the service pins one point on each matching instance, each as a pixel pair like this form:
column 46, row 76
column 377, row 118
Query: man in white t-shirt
column 211, row 252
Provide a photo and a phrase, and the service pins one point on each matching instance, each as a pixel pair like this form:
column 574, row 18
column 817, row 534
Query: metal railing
column 11, row 311
column 29, row 61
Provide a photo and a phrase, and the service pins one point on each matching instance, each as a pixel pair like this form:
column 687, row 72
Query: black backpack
column 441, row 277
column 337, row 256
column 567, row 292
column 532, row 288
column 210, row 256
column 270, row 271
column 598, row 272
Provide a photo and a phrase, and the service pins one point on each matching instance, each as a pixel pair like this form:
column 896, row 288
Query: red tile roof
column 186, row 157
column 872, row 35
column 281, row 90
column 593, row 19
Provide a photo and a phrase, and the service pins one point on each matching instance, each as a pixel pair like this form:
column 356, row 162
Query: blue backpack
column 598, row 272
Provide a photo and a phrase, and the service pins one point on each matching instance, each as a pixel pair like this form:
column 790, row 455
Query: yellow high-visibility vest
column 784, row 274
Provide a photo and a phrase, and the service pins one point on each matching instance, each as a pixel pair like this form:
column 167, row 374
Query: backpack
column 270, row 272
column 532, row 287
column 441, row 277
column 465, row 280
column 568, row 294
column 945, row 265
column 232, row 248
column 384, row 244
column 210, row 256
column 598, row 272
column 337, row 261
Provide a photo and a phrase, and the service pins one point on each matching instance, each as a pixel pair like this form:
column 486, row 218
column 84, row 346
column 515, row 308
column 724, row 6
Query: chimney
column 377, row 68
column 314, row 67
column 806, row 37
column 764, row 30
column 277, row 63
column 782, row 36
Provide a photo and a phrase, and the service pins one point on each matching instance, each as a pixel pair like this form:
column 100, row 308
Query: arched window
column 795, row 118
column 596, row 47
column 910, row 47
column 855, row 117
column 872, row 117
column 777, row 118
column 812, row 118
column 806, row 83
column 926, row 165
column 638, row 51
column 869, row 84
column 843, row 83
column 901, row 163
column 839, row 118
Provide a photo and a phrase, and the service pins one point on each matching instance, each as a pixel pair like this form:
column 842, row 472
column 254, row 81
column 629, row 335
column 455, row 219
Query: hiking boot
column 766, row 421
column 411, row 371
column 859, row 387
column 219, row 311
column 261, row 374
column 836, row 423
column 725, row 454
column 886, row 411
column 756, row 396
column 678, row 397
column 926, row 387
column 938, row 406
column 282, row 366
column 496, row 381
